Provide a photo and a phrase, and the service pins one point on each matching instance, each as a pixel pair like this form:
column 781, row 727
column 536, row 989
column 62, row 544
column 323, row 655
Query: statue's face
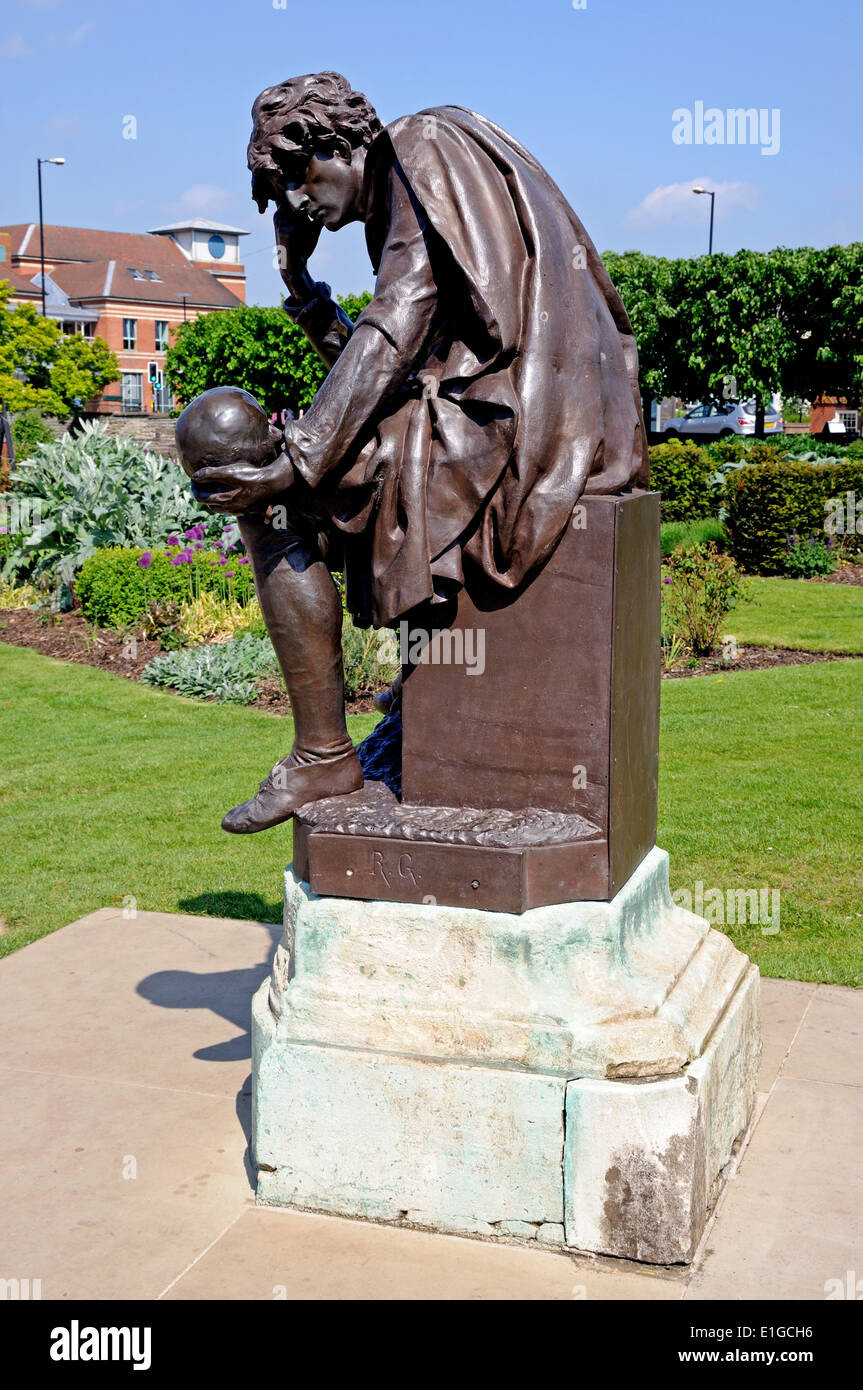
column 329, row 191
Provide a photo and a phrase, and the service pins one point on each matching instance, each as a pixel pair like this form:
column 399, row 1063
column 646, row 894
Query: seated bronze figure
column 491, row 382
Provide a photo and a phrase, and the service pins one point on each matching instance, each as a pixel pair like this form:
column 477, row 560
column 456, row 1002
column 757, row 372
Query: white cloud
column 64, row 125
column 201, row 198
column 15, row 47
column 75, row 37
column 676, row 203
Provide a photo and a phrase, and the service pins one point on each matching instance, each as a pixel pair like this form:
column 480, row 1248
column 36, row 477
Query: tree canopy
column 41, row 368
column 747, row 325
column 258, row 349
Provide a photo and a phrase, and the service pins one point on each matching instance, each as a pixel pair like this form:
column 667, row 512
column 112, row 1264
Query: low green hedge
column 115, row 589
column 680, row 472
column 768, row 502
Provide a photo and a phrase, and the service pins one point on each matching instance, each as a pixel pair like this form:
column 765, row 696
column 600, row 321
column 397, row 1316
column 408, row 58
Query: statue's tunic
column 489, row 383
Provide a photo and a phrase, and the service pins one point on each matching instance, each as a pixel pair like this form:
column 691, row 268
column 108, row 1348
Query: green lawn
column 794, row 613
column 110, row 790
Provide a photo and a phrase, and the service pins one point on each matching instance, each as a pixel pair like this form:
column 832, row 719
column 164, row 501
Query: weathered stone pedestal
column 574, row 1075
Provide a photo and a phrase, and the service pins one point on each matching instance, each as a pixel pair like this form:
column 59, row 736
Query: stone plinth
column 574, row 1075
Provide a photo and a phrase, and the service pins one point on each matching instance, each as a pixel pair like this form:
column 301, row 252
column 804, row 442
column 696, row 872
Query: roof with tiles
column 94, row 264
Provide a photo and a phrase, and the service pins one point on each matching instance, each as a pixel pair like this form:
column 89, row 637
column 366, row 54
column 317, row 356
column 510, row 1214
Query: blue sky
column 591, row 91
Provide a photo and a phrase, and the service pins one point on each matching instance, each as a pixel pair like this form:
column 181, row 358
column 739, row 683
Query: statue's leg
column 303, row 613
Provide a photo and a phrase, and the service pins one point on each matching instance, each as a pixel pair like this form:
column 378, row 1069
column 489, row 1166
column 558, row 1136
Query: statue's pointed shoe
column 292, row 784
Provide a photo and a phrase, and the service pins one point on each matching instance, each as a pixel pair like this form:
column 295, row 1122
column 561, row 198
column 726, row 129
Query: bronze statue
column 491, row 382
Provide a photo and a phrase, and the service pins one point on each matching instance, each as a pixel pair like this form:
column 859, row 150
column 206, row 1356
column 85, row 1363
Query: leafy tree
column 737, row 335
column 258, row 349
column 747, row 325
column 55, row 374
column 644, row 283
column 827, row 313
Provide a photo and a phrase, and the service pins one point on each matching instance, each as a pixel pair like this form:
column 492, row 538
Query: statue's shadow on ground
column 224, row 993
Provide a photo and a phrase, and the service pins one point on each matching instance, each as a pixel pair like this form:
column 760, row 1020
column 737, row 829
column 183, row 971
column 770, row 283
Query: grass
column 111, row 790
column 688, row 533
column 761, row 783
column 794, row 613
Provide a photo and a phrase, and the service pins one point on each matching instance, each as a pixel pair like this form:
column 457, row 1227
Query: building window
column 216, row 246
column 151, row 275
column 130, row 334
column 135, row 274
column 132, row 391
column 77, row 328
column 848, row 418
column 161, row 335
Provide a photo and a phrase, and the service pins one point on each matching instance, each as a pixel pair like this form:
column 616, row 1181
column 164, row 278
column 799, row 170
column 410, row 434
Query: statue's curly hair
column 297, row 117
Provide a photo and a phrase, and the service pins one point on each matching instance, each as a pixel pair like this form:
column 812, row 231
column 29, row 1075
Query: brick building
column 132, row 289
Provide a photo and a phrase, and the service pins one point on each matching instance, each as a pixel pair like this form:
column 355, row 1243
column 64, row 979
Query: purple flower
column 176, row 560
column 214, row 562
column 223, row 561
column 146, row 560
column 229, row 574
column 173, row 540
column 666, row 580
column 194, row 533
column 217, row 545
column 243, row 560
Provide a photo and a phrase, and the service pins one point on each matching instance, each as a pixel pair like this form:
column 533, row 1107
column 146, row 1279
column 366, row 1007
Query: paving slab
column 792, row 1217
column 302, row 1256
column 125, row 1050
column 783, row 1006
column 159, row 997
column 829, row 1045
column 116, row 1187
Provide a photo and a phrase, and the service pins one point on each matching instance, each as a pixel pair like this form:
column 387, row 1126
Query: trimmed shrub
column 768, row 502
column 29, row 430
column 115, row 588
column 681, row 472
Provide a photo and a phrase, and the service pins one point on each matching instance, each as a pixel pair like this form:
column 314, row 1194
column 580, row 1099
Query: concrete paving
column 124, row 1122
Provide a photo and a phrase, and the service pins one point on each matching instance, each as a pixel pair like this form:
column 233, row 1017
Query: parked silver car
column 719, row 419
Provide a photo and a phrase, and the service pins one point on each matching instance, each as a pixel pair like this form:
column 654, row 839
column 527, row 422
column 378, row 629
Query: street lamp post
column 712, row 196
column 184, row 297
column 39, row 162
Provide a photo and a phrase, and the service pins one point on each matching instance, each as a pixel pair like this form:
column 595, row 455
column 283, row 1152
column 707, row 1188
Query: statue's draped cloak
column 524, row 394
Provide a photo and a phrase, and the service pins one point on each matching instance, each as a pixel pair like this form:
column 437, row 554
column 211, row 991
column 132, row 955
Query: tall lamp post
column 712, row 196
column 39, row 162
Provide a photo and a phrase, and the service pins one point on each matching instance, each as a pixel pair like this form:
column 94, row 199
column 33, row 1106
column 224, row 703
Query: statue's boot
column 390, row 700
column 303, row 613
column 290, row 785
